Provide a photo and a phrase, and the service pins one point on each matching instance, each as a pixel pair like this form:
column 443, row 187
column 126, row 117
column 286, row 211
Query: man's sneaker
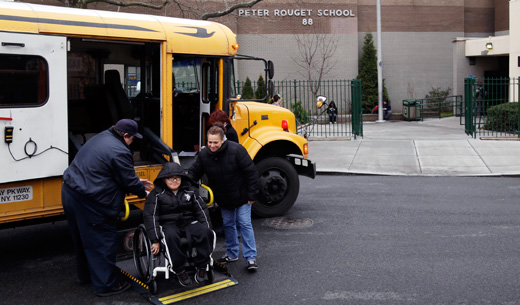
column 251, row 265
column 227, row 259
column 184, row 279
column 200, row 275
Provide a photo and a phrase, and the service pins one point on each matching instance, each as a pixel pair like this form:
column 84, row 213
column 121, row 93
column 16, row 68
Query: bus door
column 33, row 107
column 209, row 95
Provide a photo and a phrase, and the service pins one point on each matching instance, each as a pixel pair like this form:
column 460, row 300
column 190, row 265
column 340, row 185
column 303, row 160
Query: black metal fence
column 491, row 107
column 299, row 96
column 433, row 107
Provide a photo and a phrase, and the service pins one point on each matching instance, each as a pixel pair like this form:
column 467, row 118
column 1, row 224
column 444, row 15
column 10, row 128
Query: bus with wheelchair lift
column 67, row 74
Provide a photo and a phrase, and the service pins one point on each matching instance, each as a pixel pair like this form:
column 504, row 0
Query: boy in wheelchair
column 175, row 205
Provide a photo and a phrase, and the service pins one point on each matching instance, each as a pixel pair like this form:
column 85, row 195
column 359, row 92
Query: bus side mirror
column 321, row 100
column 270, row 88
column 270, row 69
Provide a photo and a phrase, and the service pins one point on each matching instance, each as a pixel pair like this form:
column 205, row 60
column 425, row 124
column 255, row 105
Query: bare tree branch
column 186, row 8
column 315, row 52
column 127, row 4
column 229, row 10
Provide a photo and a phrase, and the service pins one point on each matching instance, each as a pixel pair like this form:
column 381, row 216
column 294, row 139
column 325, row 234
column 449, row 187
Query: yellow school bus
column 67, row 74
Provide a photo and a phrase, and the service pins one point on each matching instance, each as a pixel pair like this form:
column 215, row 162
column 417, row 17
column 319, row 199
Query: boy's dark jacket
column 163, row 206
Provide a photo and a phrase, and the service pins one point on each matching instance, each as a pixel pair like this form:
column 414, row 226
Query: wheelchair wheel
column 211, row 275
column 142, row 254
column 153, row 287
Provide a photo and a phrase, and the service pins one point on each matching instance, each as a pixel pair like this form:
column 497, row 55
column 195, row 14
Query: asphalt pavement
column 433, row 147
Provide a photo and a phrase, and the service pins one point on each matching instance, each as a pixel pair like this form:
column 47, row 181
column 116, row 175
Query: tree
column 260, row 92
column 247, row 91
column 368, row 75
column 315, row 53
column 186, row 8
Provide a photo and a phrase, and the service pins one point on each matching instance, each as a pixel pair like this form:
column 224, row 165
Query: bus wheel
column 279, row 186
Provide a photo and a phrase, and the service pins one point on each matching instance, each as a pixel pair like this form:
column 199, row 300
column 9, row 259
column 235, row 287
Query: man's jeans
column 242, row 216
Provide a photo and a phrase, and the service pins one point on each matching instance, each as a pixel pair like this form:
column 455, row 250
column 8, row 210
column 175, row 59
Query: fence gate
column 313, row 122
column 487, row 107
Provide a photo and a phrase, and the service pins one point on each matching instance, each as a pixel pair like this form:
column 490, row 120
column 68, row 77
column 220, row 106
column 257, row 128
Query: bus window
column 232, row 81
column 23, row 80
column 133, row 81
column 185, row 72
column 209, row 82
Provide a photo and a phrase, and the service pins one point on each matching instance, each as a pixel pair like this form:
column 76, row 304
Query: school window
column 24, row 80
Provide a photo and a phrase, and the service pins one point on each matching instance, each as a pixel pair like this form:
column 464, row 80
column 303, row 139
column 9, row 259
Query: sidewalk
column 434, row 147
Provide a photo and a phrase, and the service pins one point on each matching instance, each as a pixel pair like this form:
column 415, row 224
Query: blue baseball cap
column 128, row 126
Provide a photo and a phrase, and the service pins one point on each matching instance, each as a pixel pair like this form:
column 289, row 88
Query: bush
column 436, row 98
column 503, row 118
column 247, row 90
column 302, row 116
column 368, row 76
column 260, row 92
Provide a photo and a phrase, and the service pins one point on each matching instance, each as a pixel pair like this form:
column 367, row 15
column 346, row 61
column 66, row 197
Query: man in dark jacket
column 175, row 205
column 387, row 110
column 233, row 177
column 93, row 193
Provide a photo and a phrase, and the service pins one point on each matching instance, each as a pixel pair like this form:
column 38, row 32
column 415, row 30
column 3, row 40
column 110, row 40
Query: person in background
column 387, row 109
column 332, row 110
column 276, row 100
column 93, row 193
column 233, row 177
column 175, row 205
column 220, row 116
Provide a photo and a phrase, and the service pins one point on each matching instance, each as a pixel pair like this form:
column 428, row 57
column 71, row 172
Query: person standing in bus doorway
column 233, row 177
column 220, row 116
column 93, row 192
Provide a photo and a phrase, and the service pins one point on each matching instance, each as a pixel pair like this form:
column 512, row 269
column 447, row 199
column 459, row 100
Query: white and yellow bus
column 67, row 74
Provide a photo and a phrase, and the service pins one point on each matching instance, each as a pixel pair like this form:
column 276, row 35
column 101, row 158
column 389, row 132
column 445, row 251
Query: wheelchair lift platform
column 169, row 290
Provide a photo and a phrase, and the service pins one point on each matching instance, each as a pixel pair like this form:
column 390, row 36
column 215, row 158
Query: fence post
column 295, row 95
column 469, row 84
column 357, row 109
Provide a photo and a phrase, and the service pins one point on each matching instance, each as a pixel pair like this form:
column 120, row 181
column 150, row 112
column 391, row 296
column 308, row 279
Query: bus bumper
column 304, row 167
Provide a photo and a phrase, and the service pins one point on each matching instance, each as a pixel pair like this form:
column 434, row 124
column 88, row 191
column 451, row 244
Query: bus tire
column 279, row 187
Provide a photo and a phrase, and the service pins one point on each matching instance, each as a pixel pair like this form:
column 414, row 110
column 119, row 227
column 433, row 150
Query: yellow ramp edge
column 198, row 291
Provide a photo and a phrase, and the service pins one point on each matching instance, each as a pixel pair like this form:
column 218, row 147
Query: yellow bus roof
column 184, row 36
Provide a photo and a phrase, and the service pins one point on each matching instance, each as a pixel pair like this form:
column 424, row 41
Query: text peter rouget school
column 295, row 13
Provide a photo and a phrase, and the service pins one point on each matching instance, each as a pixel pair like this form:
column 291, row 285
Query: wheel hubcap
column 273, row 186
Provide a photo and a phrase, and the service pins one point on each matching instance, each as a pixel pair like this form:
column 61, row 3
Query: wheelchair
column 148, row 265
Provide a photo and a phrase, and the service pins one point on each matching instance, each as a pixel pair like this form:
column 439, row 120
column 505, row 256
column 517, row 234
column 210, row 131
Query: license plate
column 15, row 194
